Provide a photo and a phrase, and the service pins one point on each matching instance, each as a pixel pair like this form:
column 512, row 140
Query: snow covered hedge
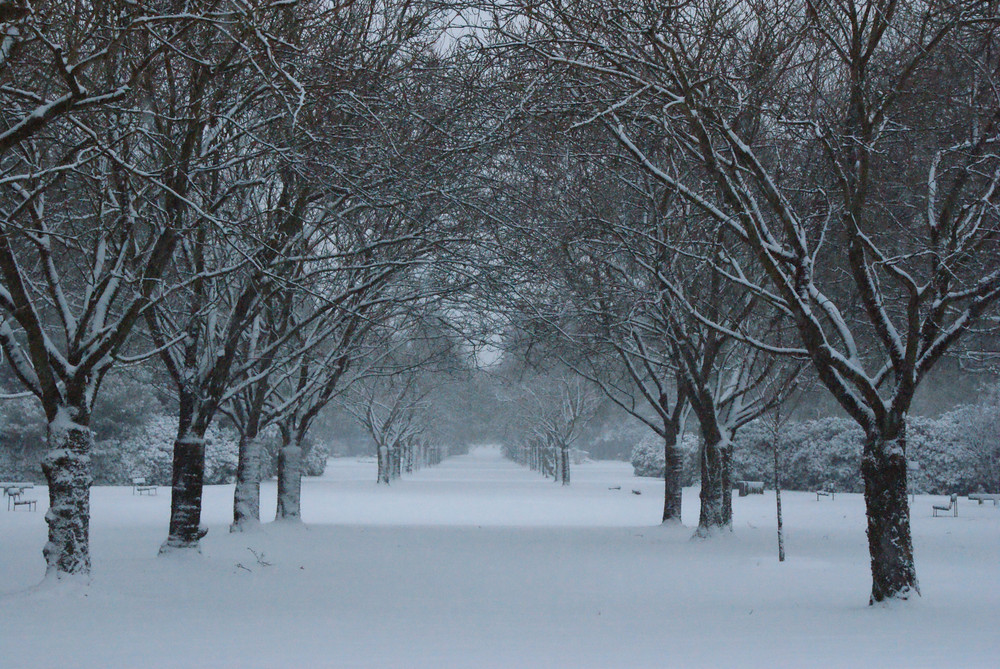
column 956, row 452
column 814, row 454
column 148, row 452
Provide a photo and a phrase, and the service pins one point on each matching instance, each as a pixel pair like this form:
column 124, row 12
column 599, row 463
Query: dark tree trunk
column 777, row 499
column 185, row 494
column 395, row 455
column 726, row 481
column 67, row 472
column 883, row 467
column 564, row 467
column 289, row 484
column 246, row 498
column 672, row 477
column 714, row 514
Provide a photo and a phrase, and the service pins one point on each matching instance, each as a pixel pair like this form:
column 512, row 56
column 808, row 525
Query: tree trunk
column 714, row 515
column 726, row 481
column 672, row 477
column 777, row 501
column 289, row 484
column 382, row 476
column 397, row 456
column 67, row 471
column 883, row 467
column 564, row 456
column 185, row 494
column 556, row 463
column 246, row 498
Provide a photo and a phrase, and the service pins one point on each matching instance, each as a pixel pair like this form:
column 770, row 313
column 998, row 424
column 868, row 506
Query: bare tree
column 80, row 256
column 808, row 130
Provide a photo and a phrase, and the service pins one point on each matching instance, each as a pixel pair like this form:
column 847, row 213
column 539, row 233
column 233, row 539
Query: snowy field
column 479, row 563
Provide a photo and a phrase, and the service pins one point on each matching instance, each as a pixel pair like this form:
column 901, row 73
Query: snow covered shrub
column 956, row 452
column 648, row 460
column 22, row 439
column 647, row 457
column 148, row 452
column 823, row 453
column 980, row 424
column 315, row 460
column 752, row 457
column 941, row 460
column 123, row 406
column 814, row 454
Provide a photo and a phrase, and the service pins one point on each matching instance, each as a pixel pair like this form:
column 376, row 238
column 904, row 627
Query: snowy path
column 479, row 563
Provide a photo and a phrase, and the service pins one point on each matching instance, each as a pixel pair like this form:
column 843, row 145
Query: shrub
column 22, row 439
column 648, row 458
column 148, row 452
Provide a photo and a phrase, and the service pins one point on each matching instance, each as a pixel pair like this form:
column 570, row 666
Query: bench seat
column 985, row 496
column 140, row 487
column 952, row 506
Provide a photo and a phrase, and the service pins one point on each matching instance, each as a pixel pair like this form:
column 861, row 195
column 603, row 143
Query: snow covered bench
column 952, row 506
column 14, row 492
column 750, row 488
column 825, row 493
column 139, row 486
column 983, row 496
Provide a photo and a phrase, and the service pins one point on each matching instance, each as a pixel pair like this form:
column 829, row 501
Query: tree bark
column 289, row 484
column 383, row 465
column 246, row 498
column 672, row 477
column 395, row 454
column 564, row 467
column 777, row 497
column 67, row 472
column 714, row 514
column 185, row 494
column 726, row 481
column 883, row 467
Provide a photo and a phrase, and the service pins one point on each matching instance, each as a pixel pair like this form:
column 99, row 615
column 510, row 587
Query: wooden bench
column 139, row 486
column 984, row 496
column 14, row 492
column 952, row 506
column 826, row 493
column 750, row 488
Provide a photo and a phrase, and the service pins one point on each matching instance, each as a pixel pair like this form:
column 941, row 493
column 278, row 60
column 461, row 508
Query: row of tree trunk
column 546, row 457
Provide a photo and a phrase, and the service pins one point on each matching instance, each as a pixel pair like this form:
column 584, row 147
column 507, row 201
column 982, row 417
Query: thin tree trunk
column 564, row 455
column 672, row 477
column 890, row 544
column 289, row 483
column 246, row 498
column 726, row 481
column 777, row 500
column 67, row 472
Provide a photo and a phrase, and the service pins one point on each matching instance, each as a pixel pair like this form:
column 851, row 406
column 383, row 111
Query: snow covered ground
column 479, row 563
